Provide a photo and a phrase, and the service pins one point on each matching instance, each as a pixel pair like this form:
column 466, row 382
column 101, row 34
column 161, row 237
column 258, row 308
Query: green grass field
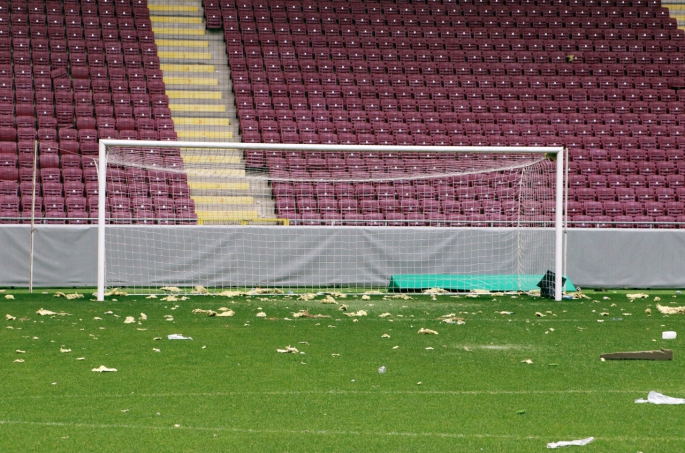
column 230, row 390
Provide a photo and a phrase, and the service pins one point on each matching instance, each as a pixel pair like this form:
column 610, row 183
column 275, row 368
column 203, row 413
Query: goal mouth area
column 515, row 187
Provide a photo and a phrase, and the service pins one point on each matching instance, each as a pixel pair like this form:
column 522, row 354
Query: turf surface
column 229, row 390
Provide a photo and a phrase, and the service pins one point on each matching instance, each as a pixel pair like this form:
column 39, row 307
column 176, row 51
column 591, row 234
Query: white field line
column 330, row 432
column 338, row 392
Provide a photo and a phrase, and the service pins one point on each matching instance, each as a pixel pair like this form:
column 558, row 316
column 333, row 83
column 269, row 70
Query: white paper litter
column 44, row 312
column 659, row 398
column 329, row 300
column 427, row 331
column 64, row 350
column 9, row 296
column 143, row 317
column 129, row 320
column 288, row 350
column 357, row 314
column 670, row 310
column 104, row 369
column 9, row 317
column 261, row 314
column 171, row 289
column 567, row 443
column 668, row 335
column 178, row 336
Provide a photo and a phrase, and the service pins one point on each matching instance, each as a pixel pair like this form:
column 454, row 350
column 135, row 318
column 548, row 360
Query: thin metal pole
column 33, row 213
column 315, row 147
column 102, row 206
column 558, row 225
column 566, row 214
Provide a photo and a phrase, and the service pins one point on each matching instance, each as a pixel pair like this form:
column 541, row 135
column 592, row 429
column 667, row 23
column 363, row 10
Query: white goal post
column 555, row 153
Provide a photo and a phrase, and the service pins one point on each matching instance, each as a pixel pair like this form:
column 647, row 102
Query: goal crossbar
column 557, row 152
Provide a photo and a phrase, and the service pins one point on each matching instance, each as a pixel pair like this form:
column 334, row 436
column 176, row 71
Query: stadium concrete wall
column 66, row 255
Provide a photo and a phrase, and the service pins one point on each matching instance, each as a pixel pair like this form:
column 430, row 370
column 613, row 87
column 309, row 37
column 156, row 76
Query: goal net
column 316, row 218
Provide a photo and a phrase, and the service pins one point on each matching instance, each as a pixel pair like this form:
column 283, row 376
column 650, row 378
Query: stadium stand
column 71, row 73
column 601, row 77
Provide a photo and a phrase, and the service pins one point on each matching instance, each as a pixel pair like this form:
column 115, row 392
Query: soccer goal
column 316, row 218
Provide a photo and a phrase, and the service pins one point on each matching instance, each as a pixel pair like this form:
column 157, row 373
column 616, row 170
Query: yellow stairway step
column 224, row 200
column 187, row 67
column 185, row 55
column 197, row 108
column 205, row 134
column 173, row 8
column 178, row 31
column 211, row 81
column 181, row 43
column 209, row 159
column 219, row 185
column 175, row 20
column 188, row 94
column 215, row 173
column 218, row 216
column 201, row 121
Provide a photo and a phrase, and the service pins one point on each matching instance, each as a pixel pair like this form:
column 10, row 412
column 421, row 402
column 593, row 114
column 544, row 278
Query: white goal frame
column 558, row 152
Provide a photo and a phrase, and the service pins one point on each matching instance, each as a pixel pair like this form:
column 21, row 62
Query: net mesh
column 483, row 217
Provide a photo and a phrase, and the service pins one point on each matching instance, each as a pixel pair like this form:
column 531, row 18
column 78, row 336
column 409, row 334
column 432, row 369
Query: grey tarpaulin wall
column 66, row 255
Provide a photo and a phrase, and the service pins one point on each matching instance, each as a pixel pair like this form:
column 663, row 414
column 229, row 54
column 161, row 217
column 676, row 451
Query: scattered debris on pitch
column 19, row 351
column 288, row 350
column 261, row 314
column 329, row 300
column 385, row 335
column 104, row 369
column 178, row 336
column 659, row 398
column 9, row 317
column 129, row 320
column 69, row 296
column 528, row 361
column 171, row 289
column 425, row 331
column 357, row 314
column 19, row 361
column 670, row 310
column 64, row 350
column 44, row 312
column 306, row 314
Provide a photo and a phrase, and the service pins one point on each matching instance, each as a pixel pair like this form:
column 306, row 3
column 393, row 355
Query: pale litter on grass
column 659, row 398
column 104, row 369
column 129, row 320
column 384, row 315
column 9, row 296
column 528, row 361
column 9, row 317
column 357, row 314
column 366, row 297
column 385, row 335
column 80, row 358
column 151, row 296
column 425, row 331
column 261, row 314
column 288, row 350
column 568, row 443
column 306, row 314
column 64, row 350
column 143, row 317
column 44, row 312
column 670, row 310
column 329, row 300
column 156, row 350
column 435, row 291
column 199, row 289
column 171, row 289
column 19, row 351
column 170, row 298
column 19, row 361
column 69, row 296
column 178, row 336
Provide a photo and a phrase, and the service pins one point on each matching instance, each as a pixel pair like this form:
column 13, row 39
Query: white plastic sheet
column 178, row 336
column 659, row 398
column 568, row 443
